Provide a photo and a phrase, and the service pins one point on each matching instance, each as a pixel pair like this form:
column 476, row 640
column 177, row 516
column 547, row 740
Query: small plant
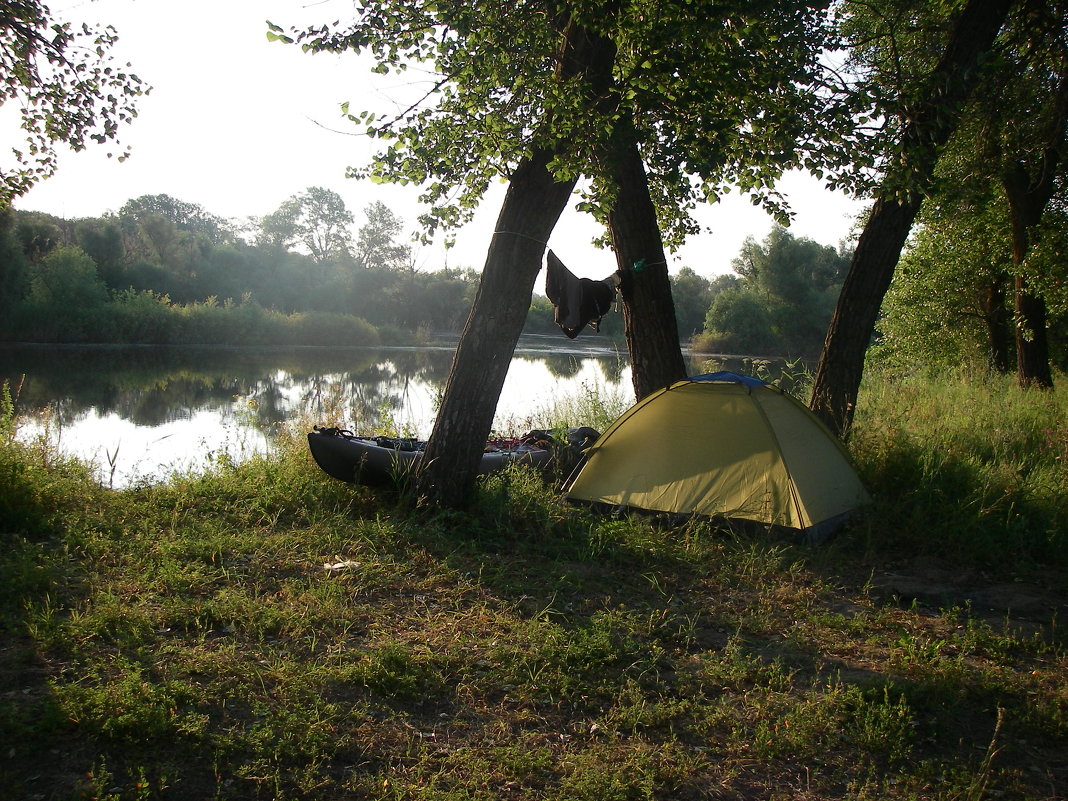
column 9, row 418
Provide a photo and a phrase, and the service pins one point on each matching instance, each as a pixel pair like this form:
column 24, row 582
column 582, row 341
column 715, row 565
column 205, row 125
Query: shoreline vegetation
column 261, row 631
column 145, row 317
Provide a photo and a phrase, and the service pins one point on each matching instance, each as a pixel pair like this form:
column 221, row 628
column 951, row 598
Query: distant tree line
column 161, row 270
column 778, row 301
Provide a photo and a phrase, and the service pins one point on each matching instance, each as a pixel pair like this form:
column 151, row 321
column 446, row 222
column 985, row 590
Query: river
column 141, row 413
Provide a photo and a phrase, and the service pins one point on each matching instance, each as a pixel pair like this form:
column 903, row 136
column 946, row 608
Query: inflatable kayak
column 383, row 461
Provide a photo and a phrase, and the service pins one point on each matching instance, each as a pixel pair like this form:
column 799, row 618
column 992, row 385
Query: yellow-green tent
column 726, row 446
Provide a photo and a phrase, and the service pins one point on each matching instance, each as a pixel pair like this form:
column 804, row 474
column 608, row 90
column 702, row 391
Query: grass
column 974, row 460
column 263, row 632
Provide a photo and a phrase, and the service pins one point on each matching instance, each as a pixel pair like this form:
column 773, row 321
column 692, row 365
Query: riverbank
column 264, row 632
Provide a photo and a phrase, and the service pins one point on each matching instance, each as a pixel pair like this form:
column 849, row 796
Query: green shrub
column 329, row 328
column 144, row 318
column 66, row 300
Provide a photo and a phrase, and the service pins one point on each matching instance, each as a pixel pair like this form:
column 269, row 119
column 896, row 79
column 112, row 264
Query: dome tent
column 723, row 445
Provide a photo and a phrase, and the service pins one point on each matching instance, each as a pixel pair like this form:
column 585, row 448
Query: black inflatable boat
column 384, row 461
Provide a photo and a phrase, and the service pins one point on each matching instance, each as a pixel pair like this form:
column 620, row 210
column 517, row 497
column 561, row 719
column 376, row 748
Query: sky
column 238, row 124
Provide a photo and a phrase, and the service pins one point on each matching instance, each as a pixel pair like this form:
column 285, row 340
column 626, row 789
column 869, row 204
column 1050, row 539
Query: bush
column 144, row 318
column 329, row 328
column 66, row 299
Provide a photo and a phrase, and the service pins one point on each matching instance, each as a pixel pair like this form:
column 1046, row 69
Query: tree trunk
column 532, row 206
column 648, row 309
column 841, row 365
column 1032, row 344
column 1027, row 200
column 1029, row 193
column 996, row 317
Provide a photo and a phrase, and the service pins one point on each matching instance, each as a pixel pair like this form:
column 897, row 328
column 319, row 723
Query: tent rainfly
column 723, row 445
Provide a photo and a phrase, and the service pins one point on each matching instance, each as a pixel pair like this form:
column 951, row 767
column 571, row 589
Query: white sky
column 238, row 124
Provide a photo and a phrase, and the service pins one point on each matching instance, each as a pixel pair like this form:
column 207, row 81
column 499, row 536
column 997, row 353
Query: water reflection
column 142, row 412
column 151, row 386
column 139, row 412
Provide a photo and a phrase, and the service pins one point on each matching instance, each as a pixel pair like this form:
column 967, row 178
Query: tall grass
column 264, row 632
column 969, row 467
column 593, row 405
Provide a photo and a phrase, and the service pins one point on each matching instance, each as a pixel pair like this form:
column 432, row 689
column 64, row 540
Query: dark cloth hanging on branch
column 578, row 301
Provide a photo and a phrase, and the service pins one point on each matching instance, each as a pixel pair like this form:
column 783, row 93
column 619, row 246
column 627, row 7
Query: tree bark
column 1029, row 193
column 996, row 317
column 841, row 364
column 648, row 309
column 1032, row 343
column 1027, row 200
column 532, row 206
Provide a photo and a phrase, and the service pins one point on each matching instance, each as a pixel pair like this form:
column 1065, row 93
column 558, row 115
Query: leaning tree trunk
column 532, row 206
column 841, row 365
column 648, row 309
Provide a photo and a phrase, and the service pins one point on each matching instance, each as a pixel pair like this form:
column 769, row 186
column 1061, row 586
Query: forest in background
column 161, row 270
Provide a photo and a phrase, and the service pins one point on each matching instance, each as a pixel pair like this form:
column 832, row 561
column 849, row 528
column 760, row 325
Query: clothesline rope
column 524, row 236
column 637, row 266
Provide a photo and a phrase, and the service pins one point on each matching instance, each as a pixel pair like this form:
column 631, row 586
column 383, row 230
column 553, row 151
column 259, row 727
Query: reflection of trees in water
column 612, row 368
column 175, row 398
column 562, row 365
column 368, row 401
column 70, row 394
column 267, row 400
column 430, row 365
column 141, row 384
column 150, row 386
column 569, row 365
column 341, row 398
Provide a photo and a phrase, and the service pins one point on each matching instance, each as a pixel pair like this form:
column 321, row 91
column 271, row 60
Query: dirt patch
column 1034, row 605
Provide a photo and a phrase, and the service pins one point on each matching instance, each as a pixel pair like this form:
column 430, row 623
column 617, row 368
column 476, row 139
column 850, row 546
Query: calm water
column 140, row 413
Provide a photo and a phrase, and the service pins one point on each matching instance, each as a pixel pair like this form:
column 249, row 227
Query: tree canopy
column 376, row 243
column 316, row 219
column 68, row 89
column 720, row 95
